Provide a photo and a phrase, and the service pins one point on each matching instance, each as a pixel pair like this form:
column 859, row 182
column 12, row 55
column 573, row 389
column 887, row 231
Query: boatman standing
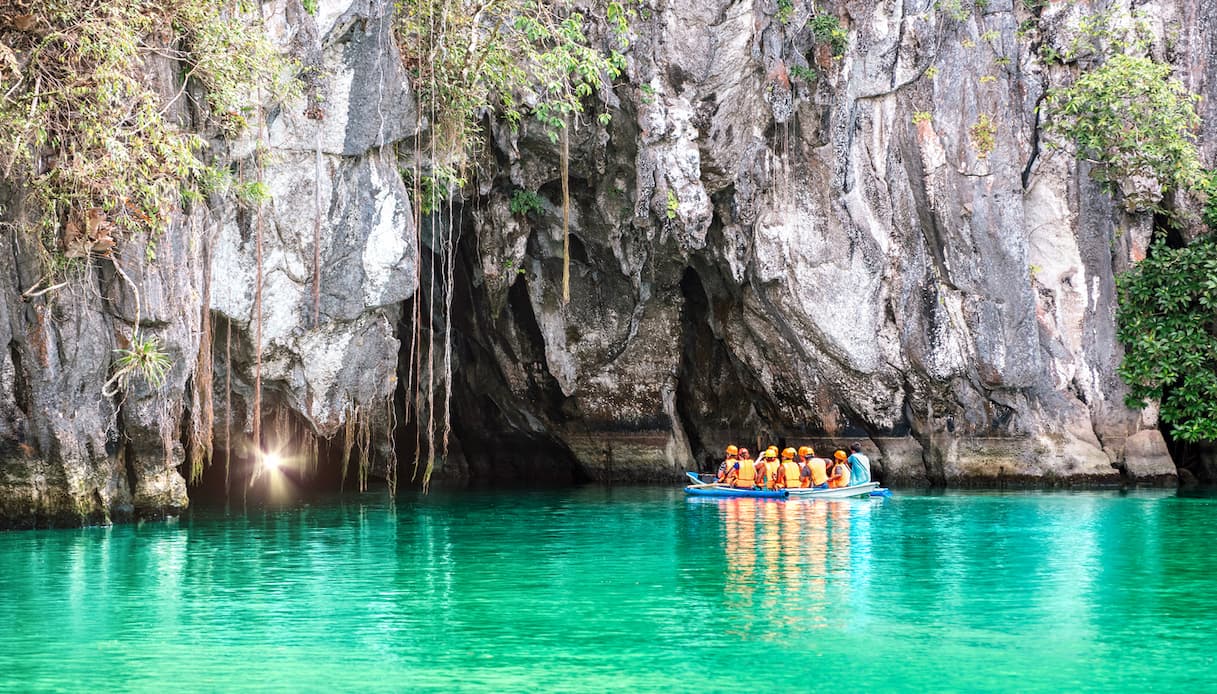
column 859, row 464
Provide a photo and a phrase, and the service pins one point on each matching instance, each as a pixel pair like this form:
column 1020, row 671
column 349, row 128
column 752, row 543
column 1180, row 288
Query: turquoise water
column 600, row 589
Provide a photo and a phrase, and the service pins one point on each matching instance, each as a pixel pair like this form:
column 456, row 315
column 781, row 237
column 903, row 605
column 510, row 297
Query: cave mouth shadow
column 235, row 478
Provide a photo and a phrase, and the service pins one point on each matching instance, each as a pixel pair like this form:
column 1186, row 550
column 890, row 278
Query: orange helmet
column 732, row 450
column 839, row 455
column 806, row 451
column 788, row 454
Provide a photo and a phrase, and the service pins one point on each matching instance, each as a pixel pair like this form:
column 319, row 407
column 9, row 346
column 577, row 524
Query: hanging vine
column 466, row 59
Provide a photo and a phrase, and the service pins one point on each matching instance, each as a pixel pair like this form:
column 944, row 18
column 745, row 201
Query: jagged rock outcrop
column 765, row 241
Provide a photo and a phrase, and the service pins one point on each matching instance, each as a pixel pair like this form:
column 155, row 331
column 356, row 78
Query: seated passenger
column 743, row 474
column 728, row 463
column 817, row 472
column 791, row 475
column 769, row 471
column 840, row 471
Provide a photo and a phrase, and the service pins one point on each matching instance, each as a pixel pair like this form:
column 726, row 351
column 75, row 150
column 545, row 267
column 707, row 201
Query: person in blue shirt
column 859, row 465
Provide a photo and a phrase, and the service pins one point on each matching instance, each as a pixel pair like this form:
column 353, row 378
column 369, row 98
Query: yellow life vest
column 818, row 474
column 843, row 481
column 771, row 472
column 746, row 478
column 794, row 474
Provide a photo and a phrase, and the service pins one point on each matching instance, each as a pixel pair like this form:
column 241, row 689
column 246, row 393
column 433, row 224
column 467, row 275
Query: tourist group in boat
column 796, row 469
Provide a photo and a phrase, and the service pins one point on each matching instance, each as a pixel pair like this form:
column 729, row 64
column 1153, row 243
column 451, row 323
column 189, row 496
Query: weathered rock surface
column 765, row 242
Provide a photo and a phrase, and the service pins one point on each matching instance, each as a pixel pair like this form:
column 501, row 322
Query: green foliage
column 434, row 187
column 827, row 29
column 144, row 359
column 921, row 117
column 310, row 6
column 1130, row 117
column 91, row 143
column 990, row 36
column 525, row 202
column 673, row 205
column 785, row 11
column 931, row 71
column 1206, row 185
column 253, row 193
column 804, row 73
column 987, row 79
column 1167, row 320
column 955, row 9
column 984, row 133
column 511, row 57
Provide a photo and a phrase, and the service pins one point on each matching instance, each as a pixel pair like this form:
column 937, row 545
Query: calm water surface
column 625, row 589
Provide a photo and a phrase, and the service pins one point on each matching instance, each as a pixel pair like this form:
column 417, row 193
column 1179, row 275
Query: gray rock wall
column 757, row 255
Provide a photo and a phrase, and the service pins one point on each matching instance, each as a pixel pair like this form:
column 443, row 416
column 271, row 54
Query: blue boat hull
column 728, row 491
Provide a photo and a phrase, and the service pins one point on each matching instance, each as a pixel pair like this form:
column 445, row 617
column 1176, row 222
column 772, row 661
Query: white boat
column 837, row 493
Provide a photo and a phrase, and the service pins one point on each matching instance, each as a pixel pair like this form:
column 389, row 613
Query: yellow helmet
column 772, row 448
column 788, row 454
column 732, row 450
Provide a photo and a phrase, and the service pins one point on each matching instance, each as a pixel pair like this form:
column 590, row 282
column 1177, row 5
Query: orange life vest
column 818, row 474
column 745, row 478
column 794, row 474
column 843, row 481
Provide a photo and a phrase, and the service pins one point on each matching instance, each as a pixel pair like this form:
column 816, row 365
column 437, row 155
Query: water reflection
column 620, row 589
column 783, row 557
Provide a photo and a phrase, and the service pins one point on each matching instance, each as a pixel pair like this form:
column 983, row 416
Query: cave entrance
column 297, row 466
column 501, row 428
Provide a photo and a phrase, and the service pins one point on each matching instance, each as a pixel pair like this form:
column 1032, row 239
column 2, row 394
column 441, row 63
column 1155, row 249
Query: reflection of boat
column 709, row 488
column 724, row 490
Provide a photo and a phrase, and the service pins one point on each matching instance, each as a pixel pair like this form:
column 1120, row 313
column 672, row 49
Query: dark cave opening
column 237, row 476
column 500, row 433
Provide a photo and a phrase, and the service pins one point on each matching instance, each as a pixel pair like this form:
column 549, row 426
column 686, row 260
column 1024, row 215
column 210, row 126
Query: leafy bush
column 1168, row 321
column 89, row 140
column 827, row 29
column 1130, row 117
column 525, row 202
column 984, row 133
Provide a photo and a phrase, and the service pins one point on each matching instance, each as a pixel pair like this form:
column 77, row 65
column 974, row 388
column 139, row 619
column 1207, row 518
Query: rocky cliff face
column 765, row 241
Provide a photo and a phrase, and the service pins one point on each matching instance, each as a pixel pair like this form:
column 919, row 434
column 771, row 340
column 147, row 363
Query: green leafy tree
column 1130, row 117
column 1168, row 323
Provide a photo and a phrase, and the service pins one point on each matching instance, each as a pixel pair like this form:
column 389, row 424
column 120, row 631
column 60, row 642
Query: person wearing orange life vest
column 817, row 471
column 728, row 463
column 791, row 475
column 743, row 474
column 840, row 471
column 769, row 468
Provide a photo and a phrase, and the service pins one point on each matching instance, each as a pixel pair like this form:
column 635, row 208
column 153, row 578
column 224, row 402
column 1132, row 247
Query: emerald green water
column 624, row 589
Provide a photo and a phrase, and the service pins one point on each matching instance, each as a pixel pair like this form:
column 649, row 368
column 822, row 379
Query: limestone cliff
column 765, row 241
